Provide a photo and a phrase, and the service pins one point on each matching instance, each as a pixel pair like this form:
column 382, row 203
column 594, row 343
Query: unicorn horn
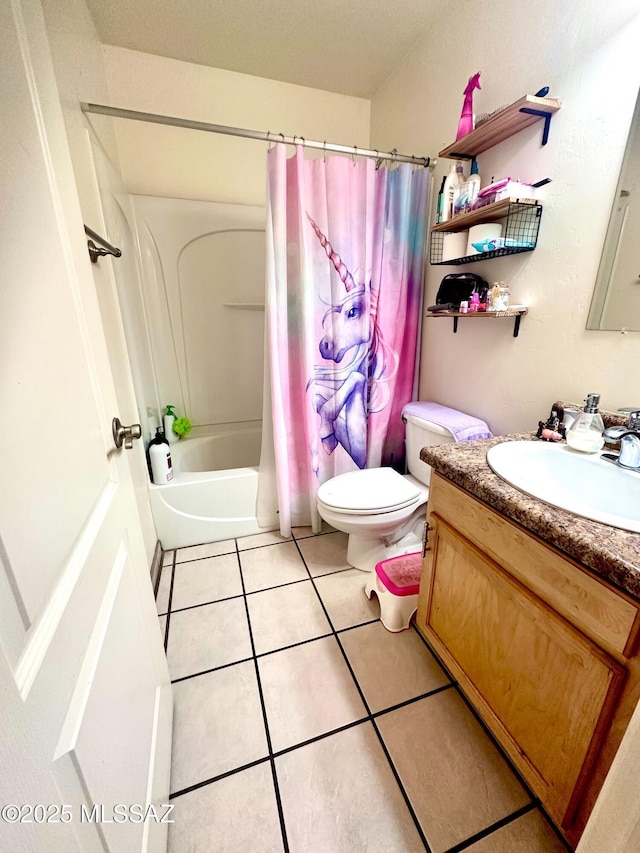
column 345, row 276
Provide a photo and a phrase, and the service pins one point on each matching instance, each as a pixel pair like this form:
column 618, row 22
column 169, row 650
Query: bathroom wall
column 589, row 60
column 172, row 162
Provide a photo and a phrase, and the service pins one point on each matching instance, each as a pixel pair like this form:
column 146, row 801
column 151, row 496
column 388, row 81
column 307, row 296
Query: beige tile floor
column 302, row 725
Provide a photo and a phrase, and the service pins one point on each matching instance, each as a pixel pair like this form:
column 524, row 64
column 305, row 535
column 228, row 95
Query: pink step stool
column 396, row 582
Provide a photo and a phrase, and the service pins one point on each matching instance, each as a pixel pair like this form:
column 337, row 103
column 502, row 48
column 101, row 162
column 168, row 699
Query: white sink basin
column 580, row 483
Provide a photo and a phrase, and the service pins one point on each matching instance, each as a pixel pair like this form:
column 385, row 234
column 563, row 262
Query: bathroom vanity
column 536, row 613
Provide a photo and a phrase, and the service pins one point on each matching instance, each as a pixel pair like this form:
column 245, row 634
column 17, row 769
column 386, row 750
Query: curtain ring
column 268, row 140
column 304, row 142
column 325, row 151
column 353, row 154
column 393, row 153
column 378, row 159
column 283, row 138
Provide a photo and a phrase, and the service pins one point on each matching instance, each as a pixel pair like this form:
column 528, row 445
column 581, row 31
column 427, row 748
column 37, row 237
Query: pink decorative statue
column 465, row 125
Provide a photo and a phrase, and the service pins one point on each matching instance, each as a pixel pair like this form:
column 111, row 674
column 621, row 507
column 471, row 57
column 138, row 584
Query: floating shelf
column 520, row 230
column 517, row 313
column 503, row 125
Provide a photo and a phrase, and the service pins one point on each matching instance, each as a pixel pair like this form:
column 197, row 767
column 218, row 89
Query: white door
column 85, row 699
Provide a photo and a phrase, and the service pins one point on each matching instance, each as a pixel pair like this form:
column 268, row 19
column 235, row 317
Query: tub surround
column 612, row 553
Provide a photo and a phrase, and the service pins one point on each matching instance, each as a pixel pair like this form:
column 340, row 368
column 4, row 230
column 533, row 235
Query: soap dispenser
column 160, row 459
column 585, row 433
column 168, row 421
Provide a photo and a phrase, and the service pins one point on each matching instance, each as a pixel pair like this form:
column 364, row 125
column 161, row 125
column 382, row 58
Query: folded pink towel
column 462, row 427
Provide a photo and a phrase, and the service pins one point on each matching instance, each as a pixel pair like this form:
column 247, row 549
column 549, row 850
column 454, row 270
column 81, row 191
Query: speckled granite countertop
column 614, row 554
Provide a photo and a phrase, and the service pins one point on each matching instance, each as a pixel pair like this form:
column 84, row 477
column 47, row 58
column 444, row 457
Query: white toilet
column 383, row 511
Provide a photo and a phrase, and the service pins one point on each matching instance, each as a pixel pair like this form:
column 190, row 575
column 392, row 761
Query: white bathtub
column 214, row 490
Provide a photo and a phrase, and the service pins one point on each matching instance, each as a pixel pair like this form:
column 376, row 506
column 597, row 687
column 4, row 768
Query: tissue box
column 507, row 188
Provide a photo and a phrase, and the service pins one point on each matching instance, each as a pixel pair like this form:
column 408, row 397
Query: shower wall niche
column 203, row 289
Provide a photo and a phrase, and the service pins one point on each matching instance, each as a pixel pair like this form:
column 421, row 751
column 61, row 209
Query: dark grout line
column 323, row 736
column 199, row 559
column 265, row 545
column 484, row 833
column 359, row 625
column 168, row 614
column 213, row 669
column 366, row 719
column 276, row 586
column 213, row 779
column 206, row 603
column 370, row 716
column 276, row 787
column 312, row 535
column 294, row 645
column 415, row 699
column 334, row 572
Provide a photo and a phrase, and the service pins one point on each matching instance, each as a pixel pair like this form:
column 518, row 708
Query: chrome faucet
column 629, row 438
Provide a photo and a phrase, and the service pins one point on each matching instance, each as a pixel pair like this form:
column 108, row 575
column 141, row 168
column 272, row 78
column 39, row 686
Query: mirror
column 616, row 298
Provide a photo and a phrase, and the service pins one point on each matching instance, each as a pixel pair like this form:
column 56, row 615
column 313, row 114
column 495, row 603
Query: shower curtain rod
column 172, row 121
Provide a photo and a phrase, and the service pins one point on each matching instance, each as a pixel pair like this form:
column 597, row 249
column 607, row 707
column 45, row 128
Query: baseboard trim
column 156, row 567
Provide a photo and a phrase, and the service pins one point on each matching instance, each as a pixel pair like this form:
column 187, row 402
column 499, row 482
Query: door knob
column 125, row 434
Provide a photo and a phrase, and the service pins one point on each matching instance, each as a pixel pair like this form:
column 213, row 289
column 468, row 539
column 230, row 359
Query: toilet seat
column 372, row 490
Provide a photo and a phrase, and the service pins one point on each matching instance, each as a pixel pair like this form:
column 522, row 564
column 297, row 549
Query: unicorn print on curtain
column 345, row 265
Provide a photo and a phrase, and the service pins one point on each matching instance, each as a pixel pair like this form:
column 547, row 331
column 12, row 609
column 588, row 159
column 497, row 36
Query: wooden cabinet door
column 543, row 688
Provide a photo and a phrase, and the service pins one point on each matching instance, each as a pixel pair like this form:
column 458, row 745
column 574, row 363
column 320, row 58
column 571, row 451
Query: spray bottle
column 440, row 206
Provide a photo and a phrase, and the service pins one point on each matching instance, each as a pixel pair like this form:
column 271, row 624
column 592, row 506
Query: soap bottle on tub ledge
column 168, row 421
column 160, row 459
column 585, row 433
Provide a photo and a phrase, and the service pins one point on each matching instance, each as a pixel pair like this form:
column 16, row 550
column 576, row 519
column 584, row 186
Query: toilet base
column 364, row 552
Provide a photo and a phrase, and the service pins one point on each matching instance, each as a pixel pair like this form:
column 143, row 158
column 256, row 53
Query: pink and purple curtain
column 345, row 265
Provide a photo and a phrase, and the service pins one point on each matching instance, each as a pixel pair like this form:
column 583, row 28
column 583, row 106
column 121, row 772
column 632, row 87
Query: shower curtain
column 345, row 265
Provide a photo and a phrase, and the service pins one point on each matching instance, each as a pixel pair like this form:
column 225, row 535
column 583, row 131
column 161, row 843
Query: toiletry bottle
column 499, row 296
column 168, row 421
column 585, row 433
column 483, row 303
column 160, row 459
column 440, row 206
column 450, row 185
column 460, row 172
column 474, row 183
column 474, row 302
column 460, row 201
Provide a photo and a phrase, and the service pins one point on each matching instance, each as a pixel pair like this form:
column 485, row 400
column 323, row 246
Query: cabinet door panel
column 548, row 689
column 604, row 614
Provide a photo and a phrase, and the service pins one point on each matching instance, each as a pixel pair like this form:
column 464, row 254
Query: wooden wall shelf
column 488, row 213
column 516, row 313
column 502, row 125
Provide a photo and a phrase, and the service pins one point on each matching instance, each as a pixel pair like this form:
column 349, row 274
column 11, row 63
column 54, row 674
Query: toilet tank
column 418, row 434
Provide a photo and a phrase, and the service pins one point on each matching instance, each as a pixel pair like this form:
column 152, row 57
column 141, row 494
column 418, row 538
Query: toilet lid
column 370, row 490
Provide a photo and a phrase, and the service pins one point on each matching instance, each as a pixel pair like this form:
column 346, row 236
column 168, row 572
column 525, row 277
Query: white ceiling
column 344, row 46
